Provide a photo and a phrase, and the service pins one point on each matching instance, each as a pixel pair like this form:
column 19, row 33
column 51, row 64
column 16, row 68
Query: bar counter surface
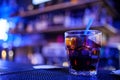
column 15, row 71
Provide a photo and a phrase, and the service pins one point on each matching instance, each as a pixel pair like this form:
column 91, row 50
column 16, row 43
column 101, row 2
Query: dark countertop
column 14, row 71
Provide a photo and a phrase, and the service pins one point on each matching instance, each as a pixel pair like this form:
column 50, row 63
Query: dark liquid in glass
column 83, row 53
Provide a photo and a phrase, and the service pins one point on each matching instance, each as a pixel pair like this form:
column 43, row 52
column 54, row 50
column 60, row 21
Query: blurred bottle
column 74, row 18
column 20, row 26
column 41, row 6
column 87, row 16
column 30, row 27
column 81, row 15
column 30, row 7
column 12, row 26
column 50, row 22
column 21, row 10
column 78, row 16
column 54, row 53
column 58, row 18
column 37, row 57
column 41, row 23
column 68, row 20
column 95, row 15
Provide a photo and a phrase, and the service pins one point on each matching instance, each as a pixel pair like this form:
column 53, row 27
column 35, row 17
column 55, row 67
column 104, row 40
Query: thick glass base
column 83, row 73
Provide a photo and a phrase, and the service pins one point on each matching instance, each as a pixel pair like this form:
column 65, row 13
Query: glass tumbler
column 83, row 51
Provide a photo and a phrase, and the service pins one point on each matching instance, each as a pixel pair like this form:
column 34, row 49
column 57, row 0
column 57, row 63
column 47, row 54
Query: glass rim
column 80, row 32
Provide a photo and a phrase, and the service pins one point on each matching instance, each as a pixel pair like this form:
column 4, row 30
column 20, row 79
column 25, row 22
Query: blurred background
column 32, row 31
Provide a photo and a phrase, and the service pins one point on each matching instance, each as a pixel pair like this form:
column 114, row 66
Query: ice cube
column 92, row 44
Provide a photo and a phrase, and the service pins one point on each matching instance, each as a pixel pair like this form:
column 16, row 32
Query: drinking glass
column 83, row 51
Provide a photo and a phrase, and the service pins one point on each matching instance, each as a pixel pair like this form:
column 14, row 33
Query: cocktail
column 83, row 51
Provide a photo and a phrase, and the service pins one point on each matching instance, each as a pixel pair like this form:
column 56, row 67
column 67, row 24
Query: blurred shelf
column 69, row 5
column 65, row 5
column 106, row 29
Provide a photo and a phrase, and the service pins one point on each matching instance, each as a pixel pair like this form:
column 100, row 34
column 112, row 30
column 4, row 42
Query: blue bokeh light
column 4, row 27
